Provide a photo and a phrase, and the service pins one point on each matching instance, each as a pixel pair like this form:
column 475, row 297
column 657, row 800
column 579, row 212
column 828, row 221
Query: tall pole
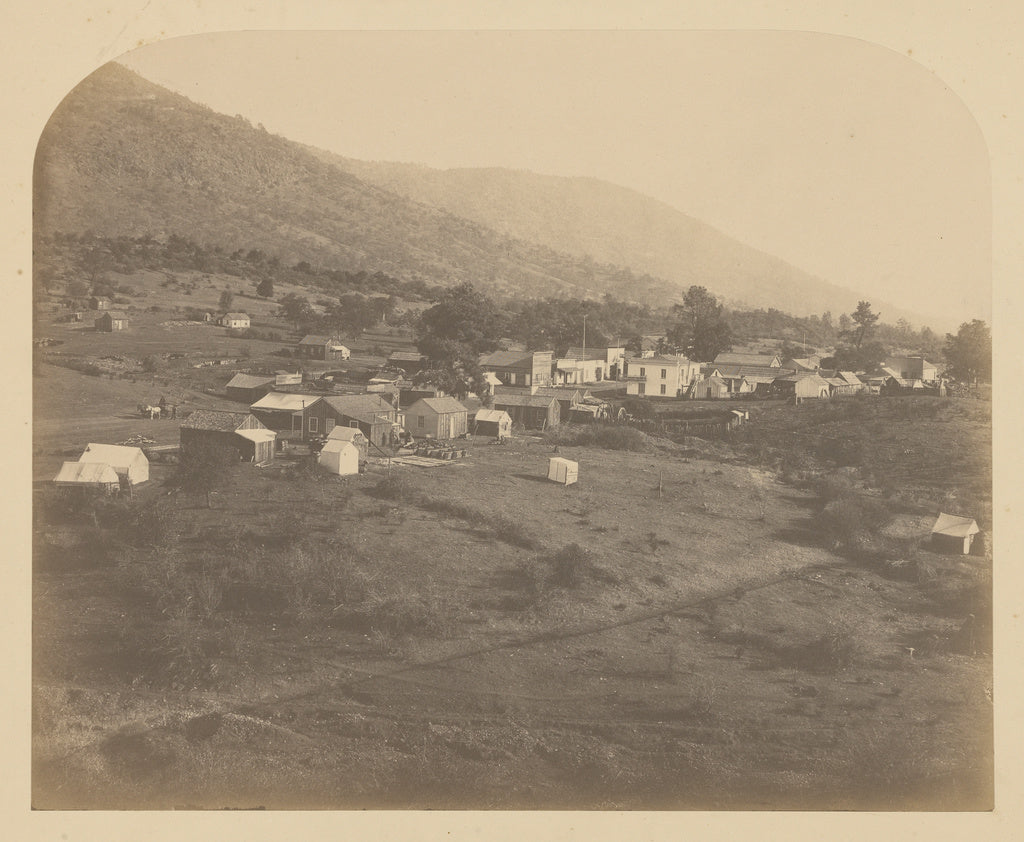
column 583, row 378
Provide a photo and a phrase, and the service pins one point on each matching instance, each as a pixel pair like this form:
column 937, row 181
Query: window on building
column 664, row 373
column 420, row 420
column 312, row 424
column 663, row 388
column 643, row 372
column 642, row 388
column 511, row 378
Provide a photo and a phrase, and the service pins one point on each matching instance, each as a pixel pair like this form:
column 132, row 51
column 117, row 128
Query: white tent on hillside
column 93, row 476
column 563, row 471
column 492, row 422
column 339, row 457
column 130, row 463
column 953, row 531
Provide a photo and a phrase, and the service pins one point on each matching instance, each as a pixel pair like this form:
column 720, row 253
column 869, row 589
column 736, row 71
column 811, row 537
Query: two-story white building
column 660, row 376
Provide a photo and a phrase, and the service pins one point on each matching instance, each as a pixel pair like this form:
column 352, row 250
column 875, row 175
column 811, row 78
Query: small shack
column 439, row 418
column 563, row 471
column 952, row 533
column 129, row 463
column 110, row 321
column 354, row 436
column 249, row 388
column 339, row 457
column 241, row 434
column 710, row 389
column 82, row 477
column 492, row 422
column 535, row 412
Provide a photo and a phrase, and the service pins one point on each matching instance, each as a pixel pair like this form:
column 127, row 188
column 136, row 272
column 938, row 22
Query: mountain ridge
column 122, row 155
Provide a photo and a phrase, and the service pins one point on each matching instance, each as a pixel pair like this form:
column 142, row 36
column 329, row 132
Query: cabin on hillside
column 110, row 321
column 439, row 418
column 411, row 362
column 801, row 386
column 235, row 321
column 315, row 347
column 100, row 302
column 952, row 533
column 491, row 422
column 240, row 435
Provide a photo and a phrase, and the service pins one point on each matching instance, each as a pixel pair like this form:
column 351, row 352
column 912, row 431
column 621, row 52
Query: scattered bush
column 607, row 436
column 569, row 565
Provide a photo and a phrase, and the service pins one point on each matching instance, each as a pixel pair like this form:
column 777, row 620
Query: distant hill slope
column 612, row 224
column 122, row 155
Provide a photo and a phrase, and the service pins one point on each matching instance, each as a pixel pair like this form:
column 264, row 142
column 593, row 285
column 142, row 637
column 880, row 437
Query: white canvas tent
column 339, row 457
column 492, row 422
column 563, row 471
column 129, row 462
column 87, row 475
column 953, row 530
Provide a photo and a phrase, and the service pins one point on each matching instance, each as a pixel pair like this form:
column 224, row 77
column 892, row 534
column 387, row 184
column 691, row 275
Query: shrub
column 853, row 524
column 393, row 487
column 569, row 565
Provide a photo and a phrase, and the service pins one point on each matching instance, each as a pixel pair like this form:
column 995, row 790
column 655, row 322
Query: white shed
column 129, row 462
column 562, row 470
column 955, row 532
column 339, row 457
column 353, row 435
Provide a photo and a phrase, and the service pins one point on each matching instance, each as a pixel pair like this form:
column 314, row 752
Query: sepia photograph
column 511, row 421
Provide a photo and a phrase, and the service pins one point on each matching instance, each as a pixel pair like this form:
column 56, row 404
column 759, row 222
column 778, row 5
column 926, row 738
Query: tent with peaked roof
column 96, row 476
column 954, row 532
column 353, row 435
column 129, row 463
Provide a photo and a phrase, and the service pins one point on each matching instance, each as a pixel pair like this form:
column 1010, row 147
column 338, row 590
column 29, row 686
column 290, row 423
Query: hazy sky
column 846, row 159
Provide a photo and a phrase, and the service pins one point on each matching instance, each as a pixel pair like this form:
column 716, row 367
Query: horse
column 152, row 412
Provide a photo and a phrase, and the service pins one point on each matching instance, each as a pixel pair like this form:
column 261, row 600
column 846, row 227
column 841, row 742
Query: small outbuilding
column 953, row 533
column 129, row 463
column 110, row 321
column 249, row 388
column 238, row 433
column 87, row 477
column 354, row 436
column 492, row 422
column 339, row 457
column 438, row 418
column 563, row 471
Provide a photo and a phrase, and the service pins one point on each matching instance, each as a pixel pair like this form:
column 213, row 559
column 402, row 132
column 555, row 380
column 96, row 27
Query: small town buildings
column 249, row 388
column 568, row 398
column 83, row 477
column 710, row 388
column 580, row 366
column 411, row 362
column 355, row 437
column 235, row 321
column 339, row 457
column 734, row 358
column 843, row 382
column 954, row 533
column 110, row 321
column 438, row 418
column 534, row 412
column 283, row 411
column 100, row 302
column 808, row 363
column 315, row 347
column 801, row 386
column 659, row 376
column 519, row 368
column 239, row 434
column 129, row 463
column 370, row 413
column 287, row 378
column 491, row 422
column 912, row 368
column 743, row 379
column 563, row 471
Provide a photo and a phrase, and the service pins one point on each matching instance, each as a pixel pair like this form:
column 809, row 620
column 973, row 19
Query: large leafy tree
column 700, row 329
column 969, row 352
column 461, row 316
